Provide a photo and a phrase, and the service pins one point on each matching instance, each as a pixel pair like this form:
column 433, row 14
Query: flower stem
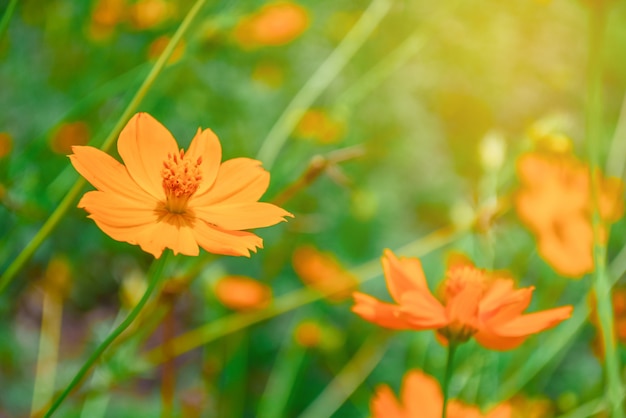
column 6, row 18
column 446, row 379
column 594, row 136
column 326, row 73
column 155, row 274
column 73, row 193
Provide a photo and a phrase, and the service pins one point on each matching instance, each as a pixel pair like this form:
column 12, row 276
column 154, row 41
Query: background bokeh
column 433, row 109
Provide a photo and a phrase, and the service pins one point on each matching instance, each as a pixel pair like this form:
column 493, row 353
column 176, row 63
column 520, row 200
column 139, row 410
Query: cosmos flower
column 164, row 197
column 421, row 397
column 242, row 293
column 555, row 203
column 476, row 304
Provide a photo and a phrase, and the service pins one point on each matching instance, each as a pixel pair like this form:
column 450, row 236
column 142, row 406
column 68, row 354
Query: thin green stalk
column 155, row 273
column 6, row 18
column 73, row 193
column 326, row 73
column 350, row 377
column 601, row 280
column 446, row 379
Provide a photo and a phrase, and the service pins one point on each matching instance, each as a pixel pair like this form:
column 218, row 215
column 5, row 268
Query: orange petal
column 492, row 341
column 422, row 310
column 132, row 234
column 403, row 274
column 532, row 323
column 175, row 232
column 207, row 146
column 383, row 314
column 105, row 173
column 385, row 405
column 144, row 145
column 504, row 410
column 118, row 210
column 510, row 305
column 457, row 409
column 218, row 241
column 421, row 395
column 241, row 216
column 240, row 180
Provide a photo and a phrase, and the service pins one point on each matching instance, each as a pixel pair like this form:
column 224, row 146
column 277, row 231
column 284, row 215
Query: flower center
column 463, row 291
column 181, row 178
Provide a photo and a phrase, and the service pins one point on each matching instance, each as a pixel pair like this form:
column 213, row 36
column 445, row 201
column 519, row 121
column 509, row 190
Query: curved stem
column 71, row 195
column 326, row 73
column 6, row 18
column 601, row 280
column 155, row 275
column 446, row 380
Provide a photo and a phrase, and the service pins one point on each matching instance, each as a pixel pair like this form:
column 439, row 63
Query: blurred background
column 381, row 123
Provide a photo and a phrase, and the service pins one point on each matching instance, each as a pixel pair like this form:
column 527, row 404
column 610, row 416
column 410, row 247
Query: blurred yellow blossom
column 146, row 14
column 242, row 293
column 274, row 24
column 318, row 125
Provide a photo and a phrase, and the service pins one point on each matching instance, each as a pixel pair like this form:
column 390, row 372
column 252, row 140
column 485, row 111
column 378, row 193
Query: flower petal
column 532, row 323
column 385, row 405
column 490, row 340
column 240, row 180
column 383, row 314
column 105, row 173
column 421, row 395
column 241, row 216
column 218, row 241
column 403, row 274
column 144, row 145
column 207, row 146
column 422, row 310
column 507, row 306
column 118, row 210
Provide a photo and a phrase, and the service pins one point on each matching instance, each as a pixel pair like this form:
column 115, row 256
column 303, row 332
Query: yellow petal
column 144, row 145
column 118, row 210
column 240, row 180
column 105, row 173
column 207, row 146
column 218, row 241
column 241, row 216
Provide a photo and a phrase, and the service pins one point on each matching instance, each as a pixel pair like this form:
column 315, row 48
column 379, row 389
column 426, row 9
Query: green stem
column 71, row 196
column 601, row 280
column 155, row 274
column 446, row 379
column 326, row 73
column 6, row 18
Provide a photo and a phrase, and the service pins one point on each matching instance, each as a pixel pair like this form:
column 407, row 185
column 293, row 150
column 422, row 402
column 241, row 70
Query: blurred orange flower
column 158, row 46
column 476, row 304
column 274, row 24
column 242, row 293
column 69, row 134
column 555, row 203
column 166, row 198
column 146, row 14
column 320, row 126
column 322, row 271
column 105, row 17
column 6, row 144
column 422, row 397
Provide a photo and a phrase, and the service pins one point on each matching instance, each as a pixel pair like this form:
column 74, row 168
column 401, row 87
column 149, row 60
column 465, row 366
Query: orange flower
column 6, row 143
column 320, row 126
column 242, row 293
column 166, row 198
column 323, row 272
column 476, row 303
column 158, row 46
column 275, row 24
column 421, row 397
column 555, row 203
column 69, row 134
